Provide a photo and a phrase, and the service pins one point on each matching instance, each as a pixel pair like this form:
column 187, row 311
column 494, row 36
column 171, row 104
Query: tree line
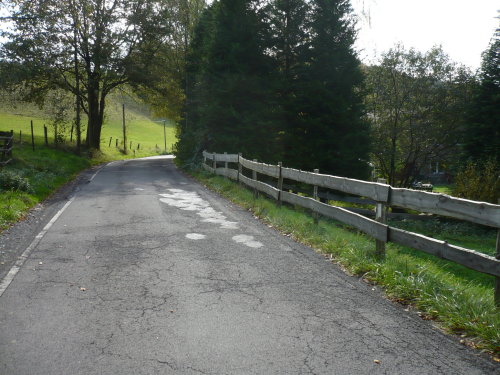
column 278, row 80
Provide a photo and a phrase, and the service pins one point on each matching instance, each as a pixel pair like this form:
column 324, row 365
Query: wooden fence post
column 280, row 183
column 239, row 166
column 45, row 135
column 110, row 139
column 381, row 217
column 497, row 279
column 214, row 163
column 315, row 196
column 254, row 177
column 11, row 142
column 116, row 142
column 225, row 163
column 20, row 137
column 32, row 137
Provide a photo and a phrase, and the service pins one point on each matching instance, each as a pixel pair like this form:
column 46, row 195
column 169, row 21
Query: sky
column 462, row 27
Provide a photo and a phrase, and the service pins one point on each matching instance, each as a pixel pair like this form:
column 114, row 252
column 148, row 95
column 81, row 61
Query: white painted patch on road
column 247, row 240
column 195, row 236
column 191, row 201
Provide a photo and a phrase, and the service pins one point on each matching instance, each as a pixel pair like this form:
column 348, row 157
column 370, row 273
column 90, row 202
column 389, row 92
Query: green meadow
column 32, row 176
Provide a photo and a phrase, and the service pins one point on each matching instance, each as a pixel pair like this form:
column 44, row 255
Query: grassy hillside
column 33, row 175
column 141, row 129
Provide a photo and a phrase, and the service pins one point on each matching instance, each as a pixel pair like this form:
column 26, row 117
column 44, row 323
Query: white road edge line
column 4, row 284
column 25, row 255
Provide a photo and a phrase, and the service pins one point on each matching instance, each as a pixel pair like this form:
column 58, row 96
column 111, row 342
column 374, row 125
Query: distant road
column 144, row 271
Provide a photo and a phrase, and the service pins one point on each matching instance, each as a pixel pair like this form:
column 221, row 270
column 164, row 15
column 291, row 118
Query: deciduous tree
column 417, row 104
column 114, row 40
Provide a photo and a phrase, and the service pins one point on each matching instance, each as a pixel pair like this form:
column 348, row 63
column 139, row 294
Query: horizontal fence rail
column 380, row 194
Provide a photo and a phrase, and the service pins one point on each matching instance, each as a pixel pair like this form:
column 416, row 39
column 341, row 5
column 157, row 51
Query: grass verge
column 32, row 176
column 461, row 300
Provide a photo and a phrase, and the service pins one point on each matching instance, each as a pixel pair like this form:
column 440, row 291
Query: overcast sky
column 463, row 27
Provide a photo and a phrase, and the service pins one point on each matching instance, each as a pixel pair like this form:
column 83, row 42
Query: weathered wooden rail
column 384, row 196
column 6, row 145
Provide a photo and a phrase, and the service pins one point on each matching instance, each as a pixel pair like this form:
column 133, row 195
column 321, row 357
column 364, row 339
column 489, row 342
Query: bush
column 12, row 181
column 479, row 182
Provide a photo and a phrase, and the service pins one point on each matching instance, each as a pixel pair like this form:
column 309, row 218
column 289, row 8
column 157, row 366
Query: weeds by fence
column 384, row 196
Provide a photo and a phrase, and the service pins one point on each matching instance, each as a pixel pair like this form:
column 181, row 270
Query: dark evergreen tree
column 288, row 40
column 192, row 133
column 483, row 130
column 328, row 131
column 262, row 79
column 229, row 100
column 239, row 110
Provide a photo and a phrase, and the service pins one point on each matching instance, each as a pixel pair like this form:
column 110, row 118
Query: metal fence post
column 381, row 217
column 214, row 163
column 225, row 163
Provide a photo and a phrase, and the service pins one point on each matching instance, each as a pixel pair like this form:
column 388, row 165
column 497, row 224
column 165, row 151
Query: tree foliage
column 277, row 80
column 417, row 104
column 104, row 43
column 326, row 129
column 483, row 126
column 479, row 181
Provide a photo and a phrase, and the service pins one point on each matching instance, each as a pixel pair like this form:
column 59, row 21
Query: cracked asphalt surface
column 124, row 283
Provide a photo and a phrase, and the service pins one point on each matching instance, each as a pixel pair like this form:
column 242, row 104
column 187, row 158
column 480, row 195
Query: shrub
column 12, row 181
column 479, row 182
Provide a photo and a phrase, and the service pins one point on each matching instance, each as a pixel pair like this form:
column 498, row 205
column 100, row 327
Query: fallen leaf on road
column 83, row 289
column 496, row 359
column 376, row 361
column 40, row 263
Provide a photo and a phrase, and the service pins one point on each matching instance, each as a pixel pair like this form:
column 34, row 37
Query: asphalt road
column 147, row 272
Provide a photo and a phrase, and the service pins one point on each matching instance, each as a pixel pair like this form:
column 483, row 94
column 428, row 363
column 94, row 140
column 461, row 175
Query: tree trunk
column 95, row 115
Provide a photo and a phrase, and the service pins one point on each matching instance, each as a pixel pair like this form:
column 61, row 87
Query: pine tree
column 239, row 110
column 288, row 38
column 192, row 132
column 483, row 133
column 329, row 132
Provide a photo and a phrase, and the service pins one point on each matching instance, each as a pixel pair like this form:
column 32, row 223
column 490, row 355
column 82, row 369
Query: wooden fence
column 384, row 196
column 6, row 144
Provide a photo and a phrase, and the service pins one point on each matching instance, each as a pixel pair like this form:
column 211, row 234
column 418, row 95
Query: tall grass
column 461, row 300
